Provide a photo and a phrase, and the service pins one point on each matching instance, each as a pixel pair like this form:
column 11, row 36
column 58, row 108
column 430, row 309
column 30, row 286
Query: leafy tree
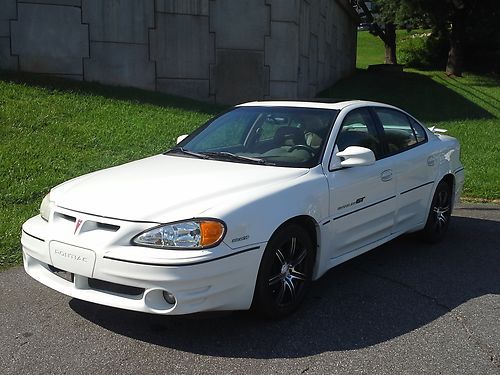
column 466, row 24
column 385, row 17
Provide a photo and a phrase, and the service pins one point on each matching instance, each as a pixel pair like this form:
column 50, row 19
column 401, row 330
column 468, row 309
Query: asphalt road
column 405, row 307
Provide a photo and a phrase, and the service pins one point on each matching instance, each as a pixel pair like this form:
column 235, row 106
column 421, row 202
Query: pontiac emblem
column 77, row 225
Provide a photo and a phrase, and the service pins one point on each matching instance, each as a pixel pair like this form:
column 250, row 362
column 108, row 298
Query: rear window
column 398, row 132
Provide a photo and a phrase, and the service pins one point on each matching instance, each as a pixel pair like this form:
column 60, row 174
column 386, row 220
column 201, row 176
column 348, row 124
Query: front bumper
column 135, row 277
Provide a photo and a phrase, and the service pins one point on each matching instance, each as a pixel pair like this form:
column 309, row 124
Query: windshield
column 281, row 136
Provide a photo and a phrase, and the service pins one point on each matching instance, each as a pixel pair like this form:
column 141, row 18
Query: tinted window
column 271, row 124
column 227, row 133
column 358, row 130
column 398, row 132
column 282, row 136
column 419, row 131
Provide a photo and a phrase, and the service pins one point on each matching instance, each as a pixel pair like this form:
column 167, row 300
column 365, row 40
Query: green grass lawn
column 469, row 107
column 51, row 132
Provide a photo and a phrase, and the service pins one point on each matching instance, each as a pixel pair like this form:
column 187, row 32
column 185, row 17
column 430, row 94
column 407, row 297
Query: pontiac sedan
column 247, row 210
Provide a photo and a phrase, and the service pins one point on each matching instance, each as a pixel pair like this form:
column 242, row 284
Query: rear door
column 413, row 163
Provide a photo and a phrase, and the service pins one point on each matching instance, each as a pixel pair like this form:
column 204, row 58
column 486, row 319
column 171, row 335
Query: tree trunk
column 390, row 44
column 455, row 63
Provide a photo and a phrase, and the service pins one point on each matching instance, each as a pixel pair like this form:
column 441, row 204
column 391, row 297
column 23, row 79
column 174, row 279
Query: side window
column 398, row 132
column 419, row 131
column 358, row 130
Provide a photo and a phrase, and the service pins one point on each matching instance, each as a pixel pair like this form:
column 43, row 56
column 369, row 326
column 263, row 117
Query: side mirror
column 180, row 138
column 355, row 156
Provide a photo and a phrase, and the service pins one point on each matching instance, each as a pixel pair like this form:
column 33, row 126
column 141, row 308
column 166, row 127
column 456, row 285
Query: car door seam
column 416, row 187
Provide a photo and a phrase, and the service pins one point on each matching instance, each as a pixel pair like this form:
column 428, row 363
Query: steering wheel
column 309, row 149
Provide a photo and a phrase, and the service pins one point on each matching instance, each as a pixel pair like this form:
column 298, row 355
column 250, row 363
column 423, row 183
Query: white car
column 246, row 211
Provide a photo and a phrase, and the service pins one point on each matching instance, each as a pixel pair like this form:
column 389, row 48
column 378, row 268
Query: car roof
column 321, row 103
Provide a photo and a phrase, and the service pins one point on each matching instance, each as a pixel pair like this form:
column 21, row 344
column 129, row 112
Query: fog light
column 169, row 297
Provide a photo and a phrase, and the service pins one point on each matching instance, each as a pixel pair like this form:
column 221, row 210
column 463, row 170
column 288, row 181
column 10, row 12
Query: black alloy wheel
column 285, row 272
column 439, row 214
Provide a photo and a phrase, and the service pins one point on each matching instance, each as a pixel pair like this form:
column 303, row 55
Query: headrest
column 288, row 136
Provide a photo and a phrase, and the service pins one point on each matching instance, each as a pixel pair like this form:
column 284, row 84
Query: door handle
column 431, row 160
column 386, row 175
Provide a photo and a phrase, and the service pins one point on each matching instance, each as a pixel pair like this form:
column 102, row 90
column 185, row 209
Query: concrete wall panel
column 49, row 39
column 322, row 40
column 124, row 21
column 188, row 88
column 239, row 76
column 224, row 50
column 182, row 46
column 7, row 12
column 304, row 28
column 120, row 64
column 314, row 17
column 193, row 7
column 239, row 24
column 323, row 5
column 282, row 51
column 313, row 60
column 285, row 10
column 75, row 3
column 7, row 61
column 283, row 90
column 303, row 83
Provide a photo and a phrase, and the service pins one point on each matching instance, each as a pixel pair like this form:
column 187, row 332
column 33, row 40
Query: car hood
column 164, row 187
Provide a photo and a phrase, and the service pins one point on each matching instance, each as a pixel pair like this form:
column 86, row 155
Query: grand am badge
column 357, row 201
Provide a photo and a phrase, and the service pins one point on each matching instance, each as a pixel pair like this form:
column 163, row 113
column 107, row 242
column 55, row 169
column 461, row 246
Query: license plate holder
column 72, row 259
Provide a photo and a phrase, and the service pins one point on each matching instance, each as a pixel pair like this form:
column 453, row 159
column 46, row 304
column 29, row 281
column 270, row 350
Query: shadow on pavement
column 379, row 296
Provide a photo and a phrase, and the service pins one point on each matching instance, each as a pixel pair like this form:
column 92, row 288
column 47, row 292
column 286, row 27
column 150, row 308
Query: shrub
column 424, row 51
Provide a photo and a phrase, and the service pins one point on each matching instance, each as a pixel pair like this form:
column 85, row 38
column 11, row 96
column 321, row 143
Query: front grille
column 106, row 286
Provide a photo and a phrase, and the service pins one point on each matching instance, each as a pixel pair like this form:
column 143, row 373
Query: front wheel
column 439, row 215
column 285, row 272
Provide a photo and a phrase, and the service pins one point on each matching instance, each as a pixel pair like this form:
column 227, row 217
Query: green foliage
column 480, row 33
column 423, row 50
column 399, row 12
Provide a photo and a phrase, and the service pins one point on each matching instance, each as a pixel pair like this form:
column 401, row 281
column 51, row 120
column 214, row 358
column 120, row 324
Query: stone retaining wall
column 225, row 51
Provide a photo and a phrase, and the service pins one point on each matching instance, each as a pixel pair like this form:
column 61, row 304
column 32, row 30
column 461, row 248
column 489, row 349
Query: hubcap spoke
column 280, row 256
column 298, row 275
column 281, row 294
column 291, row 287
column 300, row 258
column 293, row 245
column 275, row 279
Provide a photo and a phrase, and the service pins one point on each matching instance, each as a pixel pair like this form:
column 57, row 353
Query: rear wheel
column 439, row 214
column 285, row 272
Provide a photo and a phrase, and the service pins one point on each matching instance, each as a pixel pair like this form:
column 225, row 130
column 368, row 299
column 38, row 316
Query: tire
column 285, row 272
column 439, row 215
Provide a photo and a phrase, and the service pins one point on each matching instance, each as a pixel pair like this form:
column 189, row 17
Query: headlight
column 45, row 207
column 192, row 234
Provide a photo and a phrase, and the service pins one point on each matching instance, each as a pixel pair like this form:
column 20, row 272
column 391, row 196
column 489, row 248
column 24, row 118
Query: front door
column 362, row 199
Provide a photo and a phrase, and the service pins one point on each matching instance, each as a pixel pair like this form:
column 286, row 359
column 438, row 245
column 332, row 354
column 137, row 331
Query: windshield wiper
column 180, row 150
column 229, row 155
